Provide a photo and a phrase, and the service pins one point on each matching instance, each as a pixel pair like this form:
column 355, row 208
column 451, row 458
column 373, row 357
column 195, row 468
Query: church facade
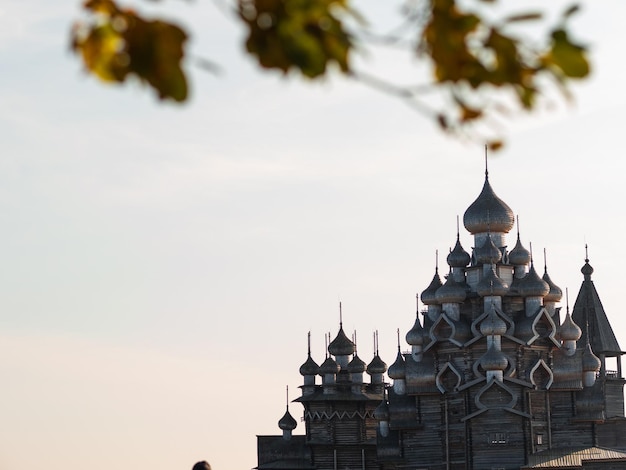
column 497, row 376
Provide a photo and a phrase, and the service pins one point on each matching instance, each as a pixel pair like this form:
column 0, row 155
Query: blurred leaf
column 523, row 17
column 495, row 145
column 306, row 35
column 571, row 10
column 570, row 58
column 119, row 43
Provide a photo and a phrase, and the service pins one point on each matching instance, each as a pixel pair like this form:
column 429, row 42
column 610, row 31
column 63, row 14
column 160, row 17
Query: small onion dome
column 492, row 284
column 451, row 292
column 309, row 367
column 377, row 366
column 287, row 423
column 356, row 365
column 341, row 345
column 555, row 294
column 458, row 257
column 329, row 366
column 587, row 270
column 488, row 253
column 493, row 325
column 532, row 285
column 590, row 360
column 397, row 370
column 381, row 413
column 415, row 336
column 494, row 359
column 569, row 331
column 488, row 212
column 429, row 296
column 519, row 256
column 204, row 465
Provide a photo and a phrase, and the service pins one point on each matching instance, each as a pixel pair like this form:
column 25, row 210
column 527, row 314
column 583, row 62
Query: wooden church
column 497, row 376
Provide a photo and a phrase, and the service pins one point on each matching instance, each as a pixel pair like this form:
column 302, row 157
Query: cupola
column 591, row 366
column 488, row 252
column 488, row 212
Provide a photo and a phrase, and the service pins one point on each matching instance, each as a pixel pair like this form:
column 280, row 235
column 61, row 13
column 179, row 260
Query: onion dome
column 341, row 345
column 397, row 370
column 381, row 413
column 329, row 366
column 488, row 253
column 494, row 359
column 587, row 270
column 451, row 292
column 569, row 331
column 356, row 365
column 492, row 284
column 377, row 366
column 204, row 465
column 309, row 367
column 415, row 336
column 458, row 257
column 591, row 363
column 287, row 423
column 429, row 296
column 555, row 294
column 493, row 325
column 532, row 285
column 488, row 212
column 519, row 256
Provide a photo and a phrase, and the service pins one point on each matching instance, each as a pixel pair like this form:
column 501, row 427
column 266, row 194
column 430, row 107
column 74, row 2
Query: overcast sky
column 162, row 265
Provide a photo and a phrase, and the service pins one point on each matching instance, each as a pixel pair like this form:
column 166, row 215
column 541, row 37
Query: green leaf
column 570, row 58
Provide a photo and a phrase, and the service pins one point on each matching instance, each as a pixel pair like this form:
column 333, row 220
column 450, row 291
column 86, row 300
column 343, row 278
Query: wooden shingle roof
column 590, row 316
column 570, row 457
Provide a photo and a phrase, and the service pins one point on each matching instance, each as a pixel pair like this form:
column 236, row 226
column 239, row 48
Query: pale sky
column 162, row 265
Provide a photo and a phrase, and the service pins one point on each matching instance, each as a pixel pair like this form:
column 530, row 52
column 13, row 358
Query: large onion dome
column 287, row 423
column 458, row 257
column 492, row 284
column 376, row 366
column 397, row 370
column 429, row 296
column 519, row 256
column 488, row 212
column 415, row 336
column 590, row 360
column 381, row 413
column 488, row 253
column 532, row 285
column 493, row 325
column 329, row 366
column 494, row 359
column 356, row 365
column 451, row 292
column 569, row 331
column 309, row 367
column 341, row 345
column 555, row 294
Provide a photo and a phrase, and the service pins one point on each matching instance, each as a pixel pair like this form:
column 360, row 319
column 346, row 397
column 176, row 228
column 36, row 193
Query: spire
column 287, row 423
column 308, row 340
column 589, row 311
column 486, row 165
